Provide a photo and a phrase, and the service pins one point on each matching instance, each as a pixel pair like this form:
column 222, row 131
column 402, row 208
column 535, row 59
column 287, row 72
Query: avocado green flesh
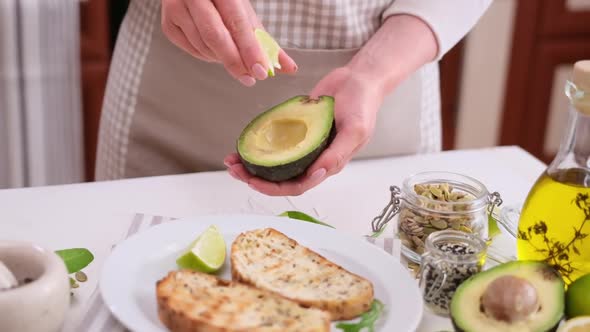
column 466, row 311
column 281, row 143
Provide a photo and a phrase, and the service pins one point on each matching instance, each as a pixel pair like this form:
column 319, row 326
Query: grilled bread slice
column 195, row 301
column 268, row 259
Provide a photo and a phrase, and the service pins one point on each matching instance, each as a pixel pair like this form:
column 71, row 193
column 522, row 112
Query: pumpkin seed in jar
column 417, row 241
column 406, row 241
column 437, row 193
column 456, row 226
column 408, row 213
column 466, row 229
column 413, row 227
column 438, row 223
column 416, row 225
column 419, row 189
column 421, row 220
column 428, row 230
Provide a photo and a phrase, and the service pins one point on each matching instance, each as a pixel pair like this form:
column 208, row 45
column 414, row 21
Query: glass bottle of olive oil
column 554, row 225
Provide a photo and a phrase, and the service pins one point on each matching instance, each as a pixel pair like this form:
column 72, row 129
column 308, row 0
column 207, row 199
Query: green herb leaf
column 302, row 216
column 493, row 228
column 76, row 258
column 377, row 234
column 367, row 321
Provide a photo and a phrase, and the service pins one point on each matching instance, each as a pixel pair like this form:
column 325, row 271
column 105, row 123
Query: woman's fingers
column 294, row 187
column 237, row 21
column 231, row 159
column 236, row 168
column 241, row 172
column 184, row 21
column 288, row 65
column 172, row 22
column 252, row 14
column 215, row 35
column 347, row 142
column 288, row 188
column 221, row 31
column 177, row 37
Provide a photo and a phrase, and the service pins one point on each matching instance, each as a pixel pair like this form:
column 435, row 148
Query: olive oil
column 555, row 222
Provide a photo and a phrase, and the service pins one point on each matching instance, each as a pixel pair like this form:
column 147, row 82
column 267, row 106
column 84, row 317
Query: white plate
column 129, row 275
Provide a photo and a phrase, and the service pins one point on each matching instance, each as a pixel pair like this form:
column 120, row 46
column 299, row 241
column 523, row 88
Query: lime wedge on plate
column 206, row 253
column 270, row 47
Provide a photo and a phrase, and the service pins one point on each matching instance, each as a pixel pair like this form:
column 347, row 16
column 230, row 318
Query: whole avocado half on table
column 514, row 296
column 282, row 142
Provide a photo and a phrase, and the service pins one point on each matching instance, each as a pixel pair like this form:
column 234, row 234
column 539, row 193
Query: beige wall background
column 483, row 82
column 485, row 64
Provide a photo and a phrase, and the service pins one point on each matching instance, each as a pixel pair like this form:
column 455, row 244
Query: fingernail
column 259, row 71
column 318, row 174
column 226, row 163
column 247, row 80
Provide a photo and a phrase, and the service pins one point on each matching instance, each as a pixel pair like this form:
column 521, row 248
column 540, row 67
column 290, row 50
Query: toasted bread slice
column 268, row 259
column 195, row 301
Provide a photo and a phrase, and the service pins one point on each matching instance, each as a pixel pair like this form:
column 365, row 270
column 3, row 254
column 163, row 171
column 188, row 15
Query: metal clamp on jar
column 435, row 201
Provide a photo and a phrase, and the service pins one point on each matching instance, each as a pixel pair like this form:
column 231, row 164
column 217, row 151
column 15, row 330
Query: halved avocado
column 282, row 142
column 514, row 296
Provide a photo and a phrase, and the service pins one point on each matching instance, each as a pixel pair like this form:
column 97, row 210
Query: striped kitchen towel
column 98, row 318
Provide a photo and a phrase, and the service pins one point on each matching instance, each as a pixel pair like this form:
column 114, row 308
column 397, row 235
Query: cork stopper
column 581, row 78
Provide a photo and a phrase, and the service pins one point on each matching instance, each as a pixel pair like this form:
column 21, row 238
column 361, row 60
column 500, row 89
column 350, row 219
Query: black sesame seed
column 456, row 273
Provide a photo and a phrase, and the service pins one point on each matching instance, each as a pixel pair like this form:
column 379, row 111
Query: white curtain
column 41, row 139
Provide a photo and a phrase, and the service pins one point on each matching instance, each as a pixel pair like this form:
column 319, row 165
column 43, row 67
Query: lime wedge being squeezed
column 271, row 48
column 206, row 253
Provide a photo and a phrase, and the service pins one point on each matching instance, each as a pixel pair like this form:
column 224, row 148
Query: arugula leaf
column 76, row 258
column 493, row 228
column 377, row 234
column 302, row 216
column 367, row 321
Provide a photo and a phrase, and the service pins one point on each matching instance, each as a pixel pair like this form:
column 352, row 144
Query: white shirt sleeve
column 450, row 20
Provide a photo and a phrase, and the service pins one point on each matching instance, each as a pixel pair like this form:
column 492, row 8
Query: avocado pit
column 510, row 299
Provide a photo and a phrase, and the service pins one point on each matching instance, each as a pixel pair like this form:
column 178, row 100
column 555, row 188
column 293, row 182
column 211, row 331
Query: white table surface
column 95, row 215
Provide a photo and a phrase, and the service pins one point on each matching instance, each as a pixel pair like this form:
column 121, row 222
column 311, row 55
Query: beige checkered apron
column 167, row 113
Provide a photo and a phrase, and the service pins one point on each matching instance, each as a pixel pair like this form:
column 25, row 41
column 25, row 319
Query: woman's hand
column 400, row 46
column 356, row 104
column 220, row 31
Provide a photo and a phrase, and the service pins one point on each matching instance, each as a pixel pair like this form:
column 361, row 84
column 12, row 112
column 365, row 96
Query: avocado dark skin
column 511, row 296
column 458, row 329
column 293, row 169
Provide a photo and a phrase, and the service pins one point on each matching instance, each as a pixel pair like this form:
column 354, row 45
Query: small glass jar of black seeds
column 450, row 258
